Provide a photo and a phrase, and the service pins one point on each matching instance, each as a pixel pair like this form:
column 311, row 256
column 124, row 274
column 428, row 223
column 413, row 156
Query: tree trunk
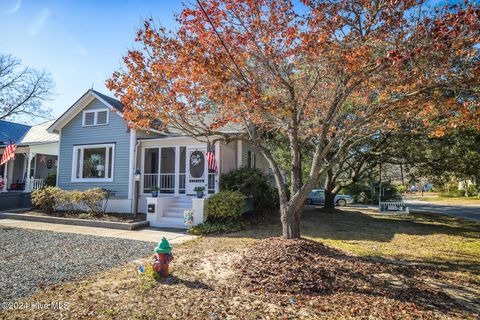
column 290, row 223
column 329, row 200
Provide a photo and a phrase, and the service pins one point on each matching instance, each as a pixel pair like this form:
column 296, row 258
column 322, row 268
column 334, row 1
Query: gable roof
column 11, row 132
column 81, row 103
column 38, row 134
column 112, row 101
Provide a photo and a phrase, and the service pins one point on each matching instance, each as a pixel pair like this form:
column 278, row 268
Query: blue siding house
column 97, row 149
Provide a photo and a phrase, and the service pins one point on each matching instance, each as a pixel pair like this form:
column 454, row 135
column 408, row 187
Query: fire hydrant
column 163, row 256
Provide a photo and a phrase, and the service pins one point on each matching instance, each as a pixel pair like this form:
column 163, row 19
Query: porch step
column 174, row 214
column 170, row 222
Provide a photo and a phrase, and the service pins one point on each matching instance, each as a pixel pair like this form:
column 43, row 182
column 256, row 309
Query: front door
column 196, row 169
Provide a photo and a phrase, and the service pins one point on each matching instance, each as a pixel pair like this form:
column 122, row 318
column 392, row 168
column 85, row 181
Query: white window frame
column 95, row 117
column 93, row 146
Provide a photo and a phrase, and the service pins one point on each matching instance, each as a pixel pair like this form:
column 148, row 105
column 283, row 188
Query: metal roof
column 38, row 134
column 11, row 132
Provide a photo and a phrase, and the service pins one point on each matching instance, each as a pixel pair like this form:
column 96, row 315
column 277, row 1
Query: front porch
column 29, row 169
column 176, row 168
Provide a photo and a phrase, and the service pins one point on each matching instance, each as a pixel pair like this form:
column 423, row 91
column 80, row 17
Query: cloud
column 40, row 21
column 10, row 7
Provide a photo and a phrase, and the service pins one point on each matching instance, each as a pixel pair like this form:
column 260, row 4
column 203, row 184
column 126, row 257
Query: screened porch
column 176, row 170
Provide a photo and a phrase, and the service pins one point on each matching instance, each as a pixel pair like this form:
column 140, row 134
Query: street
column 471, row 212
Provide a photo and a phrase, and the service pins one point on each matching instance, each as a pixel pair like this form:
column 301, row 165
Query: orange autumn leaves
column 343, row 68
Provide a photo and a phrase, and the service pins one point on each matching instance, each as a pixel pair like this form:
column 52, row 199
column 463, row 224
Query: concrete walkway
column 146, row 234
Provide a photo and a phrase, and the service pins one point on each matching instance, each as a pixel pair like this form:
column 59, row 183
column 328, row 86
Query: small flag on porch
column 212, row 163
column 8, row 154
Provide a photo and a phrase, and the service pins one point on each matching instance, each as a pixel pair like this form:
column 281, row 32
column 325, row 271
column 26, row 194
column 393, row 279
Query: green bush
column 51, row 179
column 401, row 189
column 216, row 227
column 45, row 198
column 252, row 183
column 53, row 199
column 225, row 206
column 93, row 200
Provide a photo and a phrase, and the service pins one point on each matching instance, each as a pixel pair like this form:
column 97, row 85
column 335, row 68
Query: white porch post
column 239, row 154
column 217, row 173
column 28, row 181
column 177, row 169
column 5, row 178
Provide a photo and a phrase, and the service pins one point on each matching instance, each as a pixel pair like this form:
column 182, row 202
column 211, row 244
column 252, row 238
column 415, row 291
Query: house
column 98, row 149
column 35, row 155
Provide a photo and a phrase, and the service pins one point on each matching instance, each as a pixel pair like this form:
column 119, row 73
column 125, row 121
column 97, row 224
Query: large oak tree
column 325, row 75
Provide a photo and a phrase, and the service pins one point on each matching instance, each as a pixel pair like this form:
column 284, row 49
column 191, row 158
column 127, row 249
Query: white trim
column 95, row 117
column 78, row 106
column 218, row 150
column 131, row 163
column 107, row 168
column 239, row 154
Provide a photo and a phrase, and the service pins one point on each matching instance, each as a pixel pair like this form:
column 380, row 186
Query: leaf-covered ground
column 249, row 275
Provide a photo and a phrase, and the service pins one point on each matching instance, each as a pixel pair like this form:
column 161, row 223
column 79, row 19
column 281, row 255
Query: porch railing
column 164, row 181
column 167, row 182
column 149, row 180
column 36, row 184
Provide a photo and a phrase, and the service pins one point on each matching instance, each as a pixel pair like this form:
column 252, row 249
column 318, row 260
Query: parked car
column 317, row 196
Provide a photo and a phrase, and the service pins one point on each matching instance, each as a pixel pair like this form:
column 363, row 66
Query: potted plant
column 154, row 190
column 199, row 191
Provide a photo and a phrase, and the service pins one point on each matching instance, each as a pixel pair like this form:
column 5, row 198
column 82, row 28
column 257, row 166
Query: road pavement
column 466, row 211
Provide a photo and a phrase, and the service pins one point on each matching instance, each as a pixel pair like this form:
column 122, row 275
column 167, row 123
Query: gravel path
column 33, row 258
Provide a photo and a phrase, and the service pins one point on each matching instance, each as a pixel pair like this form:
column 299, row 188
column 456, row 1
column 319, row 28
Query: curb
column 76, row 222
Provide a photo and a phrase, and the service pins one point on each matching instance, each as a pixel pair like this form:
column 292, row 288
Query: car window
column 318, row 193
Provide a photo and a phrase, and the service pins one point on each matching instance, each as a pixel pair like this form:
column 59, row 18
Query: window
column 95, row 117
column 93, row 163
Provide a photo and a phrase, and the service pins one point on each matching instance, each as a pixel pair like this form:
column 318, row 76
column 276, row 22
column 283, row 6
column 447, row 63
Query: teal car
column 317, row 196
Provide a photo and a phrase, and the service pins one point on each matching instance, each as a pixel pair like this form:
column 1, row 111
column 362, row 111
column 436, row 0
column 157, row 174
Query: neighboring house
column 98, row 149
column 35, row 156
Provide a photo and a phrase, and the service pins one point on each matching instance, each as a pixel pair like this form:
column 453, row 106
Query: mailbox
column 151, row 208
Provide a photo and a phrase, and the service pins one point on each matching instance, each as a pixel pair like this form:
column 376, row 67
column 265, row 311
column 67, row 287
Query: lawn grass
column 205, row 284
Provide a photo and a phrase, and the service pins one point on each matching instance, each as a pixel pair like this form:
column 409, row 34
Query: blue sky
column 78, row 42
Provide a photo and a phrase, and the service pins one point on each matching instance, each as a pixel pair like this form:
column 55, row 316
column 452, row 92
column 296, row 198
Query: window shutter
column 102, row 117
column 89, row 118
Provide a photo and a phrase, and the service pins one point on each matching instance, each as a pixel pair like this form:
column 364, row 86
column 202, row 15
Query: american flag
column 8, row 154
column 212, row 164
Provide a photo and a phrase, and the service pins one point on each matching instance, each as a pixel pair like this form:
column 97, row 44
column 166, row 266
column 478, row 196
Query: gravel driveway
column 33, row 258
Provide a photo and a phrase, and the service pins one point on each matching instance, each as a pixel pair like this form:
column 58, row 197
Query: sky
column 79, row 42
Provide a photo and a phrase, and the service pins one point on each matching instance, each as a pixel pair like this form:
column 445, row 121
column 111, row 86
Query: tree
column 23, row 90
column 325, row 75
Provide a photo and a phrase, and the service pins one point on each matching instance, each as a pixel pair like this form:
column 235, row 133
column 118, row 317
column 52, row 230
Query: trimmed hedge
column 53, row 199
column 225, row 206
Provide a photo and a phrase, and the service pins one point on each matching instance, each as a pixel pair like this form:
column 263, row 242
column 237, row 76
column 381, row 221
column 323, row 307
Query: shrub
column 93, row 200
column 44, row 198
column 216, row 227
column 66, row 200
column 51, row 179
column 53, row 199
column 252, row 183
column 225, row 206
column 401, row 189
